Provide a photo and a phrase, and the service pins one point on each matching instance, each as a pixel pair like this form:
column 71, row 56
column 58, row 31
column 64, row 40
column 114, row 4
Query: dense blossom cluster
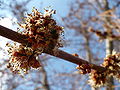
column 22, row 59
column 42, row 33
column 98, row 78
column 112, row 62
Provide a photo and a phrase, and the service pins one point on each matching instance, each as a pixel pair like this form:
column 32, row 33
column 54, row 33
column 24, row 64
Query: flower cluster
column 96, row 78
column 99, row 78
column 22, row 59
column 42, row 34
column 42, row 31
column 84, row 68
column 112, row 62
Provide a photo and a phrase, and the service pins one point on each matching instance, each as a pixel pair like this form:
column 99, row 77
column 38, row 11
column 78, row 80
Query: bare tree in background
column 85, row 14
column 82, row 16
column 15, row 7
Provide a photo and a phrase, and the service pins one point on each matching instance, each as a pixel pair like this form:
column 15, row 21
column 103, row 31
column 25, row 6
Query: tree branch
column 10, row 34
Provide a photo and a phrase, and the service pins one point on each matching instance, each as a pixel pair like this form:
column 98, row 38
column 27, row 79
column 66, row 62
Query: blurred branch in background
column 84, row 15
column 18, row 8
column 81, row 16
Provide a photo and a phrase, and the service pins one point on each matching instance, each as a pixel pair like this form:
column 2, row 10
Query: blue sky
column 62, row 8
column 60, row 5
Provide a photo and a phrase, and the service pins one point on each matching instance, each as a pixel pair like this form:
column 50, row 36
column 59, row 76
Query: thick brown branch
column 10, row 34
column 68, row 57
